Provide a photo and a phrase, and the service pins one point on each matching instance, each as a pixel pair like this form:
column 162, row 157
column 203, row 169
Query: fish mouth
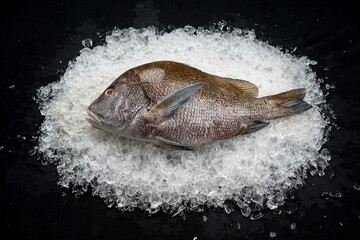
column 92, row 117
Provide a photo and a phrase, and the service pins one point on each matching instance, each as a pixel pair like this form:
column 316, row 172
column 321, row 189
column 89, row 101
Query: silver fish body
column 175, row 105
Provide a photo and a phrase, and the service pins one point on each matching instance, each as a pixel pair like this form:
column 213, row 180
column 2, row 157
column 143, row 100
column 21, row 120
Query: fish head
column 115, row 108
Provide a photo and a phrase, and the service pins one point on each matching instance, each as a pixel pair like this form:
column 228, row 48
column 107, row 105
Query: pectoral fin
column 168, row 106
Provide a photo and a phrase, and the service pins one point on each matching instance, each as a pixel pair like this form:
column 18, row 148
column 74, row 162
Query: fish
column 174, row 105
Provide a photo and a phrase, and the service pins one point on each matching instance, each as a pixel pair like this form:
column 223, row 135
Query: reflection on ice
column 252, row 171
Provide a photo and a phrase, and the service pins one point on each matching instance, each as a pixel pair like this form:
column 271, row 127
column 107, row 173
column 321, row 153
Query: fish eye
column 109, row 92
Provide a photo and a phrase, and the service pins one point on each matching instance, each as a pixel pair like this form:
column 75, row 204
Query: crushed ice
column 88, row 43
column 272, row 234
column 252, row 171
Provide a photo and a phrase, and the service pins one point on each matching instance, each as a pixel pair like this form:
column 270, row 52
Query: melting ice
column 252, row 170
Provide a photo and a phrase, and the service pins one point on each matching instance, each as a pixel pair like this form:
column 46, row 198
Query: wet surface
column 39, row 39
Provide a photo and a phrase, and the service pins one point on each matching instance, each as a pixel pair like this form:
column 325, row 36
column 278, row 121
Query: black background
column 38, row 39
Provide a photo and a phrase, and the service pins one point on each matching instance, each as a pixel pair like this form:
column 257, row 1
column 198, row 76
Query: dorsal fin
column 246, row 89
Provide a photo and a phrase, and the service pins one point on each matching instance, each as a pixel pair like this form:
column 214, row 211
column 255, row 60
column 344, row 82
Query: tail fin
column 287, row 103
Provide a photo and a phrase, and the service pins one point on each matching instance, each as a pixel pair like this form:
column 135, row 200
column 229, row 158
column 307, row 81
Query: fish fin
column 246, row 128
column 289, row 95
column 255, row 126
column 171, row 144
column 288, row 103
column 246, row 89
column 169, row 105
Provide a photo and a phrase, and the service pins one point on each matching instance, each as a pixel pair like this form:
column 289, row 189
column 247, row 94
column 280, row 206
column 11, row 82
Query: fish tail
column 287, row 103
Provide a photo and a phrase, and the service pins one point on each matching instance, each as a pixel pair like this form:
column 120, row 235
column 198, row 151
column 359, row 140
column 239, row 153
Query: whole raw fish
column 172, row 104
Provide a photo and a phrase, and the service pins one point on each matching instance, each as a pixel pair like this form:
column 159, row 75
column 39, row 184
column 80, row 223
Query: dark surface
column 39, row 38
